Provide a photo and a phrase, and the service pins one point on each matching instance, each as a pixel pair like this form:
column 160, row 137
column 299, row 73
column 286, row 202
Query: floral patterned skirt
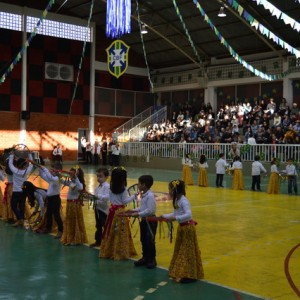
column 273, row 186
column 187, row 175
column 186, row 261
column 238, row 180
column 202, row 177
column 118, row 243
column 74, row 228
column 7, row 213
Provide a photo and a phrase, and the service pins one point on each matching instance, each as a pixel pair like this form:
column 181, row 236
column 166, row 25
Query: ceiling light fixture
column 144, row 29
column 222, row 13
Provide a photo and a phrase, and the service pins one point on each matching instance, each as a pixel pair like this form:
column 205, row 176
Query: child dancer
column 257, row 169
column 36, row 197
column 187, row 165
column 53, row 201
column 147, row 227
column 2, row 177
column 273, row 186
column 8, row 215
column 221, row 166
column 20, row 174
column 292, row 176
column 74, row 228
column 117, row 241
column 101, row 204
column 186, row 264
column 237, row 177
column 203, row 166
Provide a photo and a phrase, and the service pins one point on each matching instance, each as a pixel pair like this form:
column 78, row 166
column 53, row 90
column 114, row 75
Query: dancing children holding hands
column 101, row 204
column 203, row 166
column 237, row 176
column 74, row 228
column 147, row 226
column 292, row 175
column 186, row 264
column 187, row 165
column 273, row 186
column 117, row 242
column 257, row 169
column 53, row 201
column 221, row 166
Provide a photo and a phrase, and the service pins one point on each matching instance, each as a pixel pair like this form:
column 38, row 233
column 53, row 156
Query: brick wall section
column 44, row 131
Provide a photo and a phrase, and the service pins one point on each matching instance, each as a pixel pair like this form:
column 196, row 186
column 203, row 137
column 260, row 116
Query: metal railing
column 178, row 150
column 137, row 133
column 122, row 132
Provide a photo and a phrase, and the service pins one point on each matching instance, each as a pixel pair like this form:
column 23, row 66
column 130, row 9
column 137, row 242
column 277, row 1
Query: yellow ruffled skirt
column 186, row 261
column 8, row 214
column 238, row 180
column 118, row 244
column 273, row 186
column 74, row 228
column 202, row 177
column 187, row 175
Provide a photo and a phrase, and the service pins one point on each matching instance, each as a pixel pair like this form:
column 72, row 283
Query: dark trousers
column 255, row 182
column 104, row 158
column 219, row 180
column 18, row 204
column 292, row 183
column 89, row 158
column 100, row 218
column 83, row 150
column 96, row 159
column 53, row 209
column 147, row 237
column 115, row 160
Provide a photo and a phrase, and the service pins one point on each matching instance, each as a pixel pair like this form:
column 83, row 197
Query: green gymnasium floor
column 35, row 266
column 248, row 240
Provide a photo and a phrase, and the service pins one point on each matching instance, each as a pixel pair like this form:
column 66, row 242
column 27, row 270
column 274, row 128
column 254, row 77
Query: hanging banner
column 117, row 58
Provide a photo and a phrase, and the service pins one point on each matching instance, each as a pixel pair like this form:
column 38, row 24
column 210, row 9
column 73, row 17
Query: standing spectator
column 104, row 152
column 89, row 158
column 57, row 157
column 83, row 143
column 115, row 149
column 257, row 169
column 96, row 152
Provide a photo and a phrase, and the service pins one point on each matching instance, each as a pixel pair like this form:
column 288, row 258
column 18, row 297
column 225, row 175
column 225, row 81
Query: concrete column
column 210, row 95
column 287, row 86
column 24, row 79
column 92, row 86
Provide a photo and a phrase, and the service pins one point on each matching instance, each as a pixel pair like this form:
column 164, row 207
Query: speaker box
column 25, row 115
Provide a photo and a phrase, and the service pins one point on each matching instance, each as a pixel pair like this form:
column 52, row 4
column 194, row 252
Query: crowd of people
column 263, row 122
column 113, row 230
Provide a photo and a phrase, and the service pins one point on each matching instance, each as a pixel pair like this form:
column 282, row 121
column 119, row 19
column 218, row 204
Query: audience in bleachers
column 261, row 123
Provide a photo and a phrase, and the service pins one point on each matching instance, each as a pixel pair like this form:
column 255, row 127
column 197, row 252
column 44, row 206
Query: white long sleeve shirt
column 120, row 199
column 257, row 168
column 187, row 162
column 221, row 165
column 237, row 165
column 102, row 194
column 75, row 186
column 147, row 206
column 183, row 212
column 54, row 183
column 19, row 176
column 274, row 169
column 291, row 170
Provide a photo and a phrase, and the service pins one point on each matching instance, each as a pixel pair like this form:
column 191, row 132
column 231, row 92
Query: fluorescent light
column 222, row 13
column 144, row 29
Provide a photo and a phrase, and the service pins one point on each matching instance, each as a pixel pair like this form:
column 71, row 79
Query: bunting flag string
column 236, row 55
column 186, row 31
column 143, row 44
column 118, row 18
column 279, row 14
column 27, row 43
column 82, row 55
column 262, row 29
